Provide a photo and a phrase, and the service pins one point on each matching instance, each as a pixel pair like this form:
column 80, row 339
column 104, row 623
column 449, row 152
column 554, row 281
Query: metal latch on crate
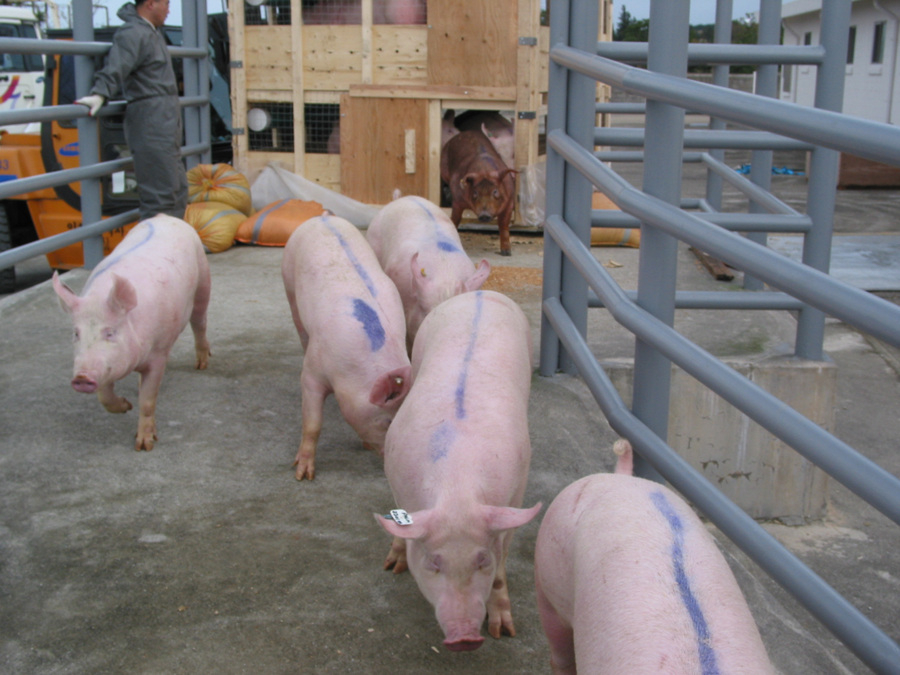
column 528, row 41
column 527, row 115
column 235, row 64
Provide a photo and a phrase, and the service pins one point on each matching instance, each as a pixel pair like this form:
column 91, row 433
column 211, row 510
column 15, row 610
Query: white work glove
column 93, row 102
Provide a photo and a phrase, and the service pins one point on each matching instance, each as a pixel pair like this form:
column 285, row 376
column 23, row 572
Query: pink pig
column 350, row 320
column 420, row 250
column 133, row 307
column 457, row 457
column 630, row 581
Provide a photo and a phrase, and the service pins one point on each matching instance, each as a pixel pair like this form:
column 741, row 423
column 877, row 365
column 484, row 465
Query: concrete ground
column 205, row 555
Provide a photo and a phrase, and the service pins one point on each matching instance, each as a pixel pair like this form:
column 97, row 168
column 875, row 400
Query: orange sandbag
column 616, row 236
column 219, row 183
column 612, row 236
column 275, row 222
column 216, row 224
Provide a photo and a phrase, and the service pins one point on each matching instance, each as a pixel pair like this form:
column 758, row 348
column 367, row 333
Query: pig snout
column 84, row 384
column 485, row 217
column 462, row 635
column 464, row 644
column 460, row 615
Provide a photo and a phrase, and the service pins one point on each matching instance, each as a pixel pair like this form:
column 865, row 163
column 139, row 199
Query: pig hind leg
column 151, row 378
column 313, row 395
column 559, row 634
column 198, row 321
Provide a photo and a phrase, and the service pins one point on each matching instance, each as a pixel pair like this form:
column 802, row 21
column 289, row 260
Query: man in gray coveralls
column 140, row 67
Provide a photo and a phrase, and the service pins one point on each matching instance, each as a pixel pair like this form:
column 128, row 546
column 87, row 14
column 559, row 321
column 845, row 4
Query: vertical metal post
column 664, row 141
column 88, row 132
column 203, row 66
column 823, row 171
column 580, row 116
column 191, row 69
column 556, row 115
column 766, row 85
column 714, row 182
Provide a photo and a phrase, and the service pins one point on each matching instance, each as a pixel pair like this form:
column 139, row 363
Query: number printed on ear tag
column 401, row 517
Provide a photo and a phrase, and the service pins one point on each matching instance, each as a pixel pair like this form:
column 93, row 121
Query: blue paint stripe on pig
column 443, row 243
column 441, row 440
column 371, row 324
column 708, row 665
column 360, row 270
column 118, row 253
column 464, row 373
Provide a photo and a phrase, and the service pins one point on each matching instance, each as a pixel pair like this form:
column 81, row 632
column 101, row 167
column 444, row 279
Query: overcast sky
column 702, row 11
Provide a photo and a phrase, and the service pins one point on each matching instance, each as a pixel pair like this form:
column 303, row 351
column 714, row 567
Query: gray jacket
column 138, row 64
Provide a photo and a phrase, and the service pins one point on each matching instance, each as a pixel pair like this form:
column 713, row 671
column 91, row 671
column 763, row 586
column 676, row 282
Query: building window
column 851, row 44
column 878, row 43
column 807, row 38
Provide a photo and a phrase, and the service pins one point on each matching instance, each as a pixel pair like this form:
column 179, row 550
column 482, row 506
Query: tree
column 629, row 29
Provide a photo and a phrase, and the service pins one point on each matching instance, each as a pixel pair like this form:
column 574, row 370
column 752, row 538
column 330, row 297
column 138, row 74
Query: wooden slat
column 448, row 92
column 399, row 55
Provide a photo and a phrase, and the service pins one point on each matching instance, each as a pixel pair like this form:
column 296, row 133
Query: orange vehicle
column 43, row 213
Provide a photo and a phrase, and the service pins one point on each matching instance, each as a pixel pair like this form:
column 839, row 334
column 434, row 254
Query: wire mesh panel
column 349, row 12
column 323, row 130
column 270, row 126
column 268, row 13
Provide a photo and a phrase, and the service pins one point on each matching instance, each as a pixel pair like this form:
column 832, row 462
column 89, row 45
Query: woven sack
column 219, row 183
column 216, row 224
column 273, row 224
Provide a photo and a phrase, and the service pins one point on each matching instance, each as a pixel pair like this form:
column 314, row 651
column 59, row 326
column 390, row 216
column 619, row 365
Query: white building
column 870, row 83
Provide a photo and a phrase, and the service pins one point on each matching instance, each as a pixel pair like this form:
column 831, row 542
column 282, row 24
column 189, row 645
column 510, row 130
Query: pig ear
column 474, row 282
column 122, row 297
column 67, row 298
column 500, row 518
column 416, row 530
column 390, row 387
column 468, row 179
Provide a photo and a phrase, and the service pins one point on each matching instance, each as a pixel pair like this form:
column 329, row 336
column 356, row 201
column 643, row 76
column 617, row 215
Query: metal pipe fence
column 574, row 280
column 194, row 103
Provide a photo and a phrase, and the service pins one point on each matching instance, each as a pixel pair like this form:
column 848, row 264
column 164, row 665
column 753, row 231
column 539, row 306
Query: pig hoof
column 121, row 405
column 145, row 443
column 305, row 470
column 506, row 253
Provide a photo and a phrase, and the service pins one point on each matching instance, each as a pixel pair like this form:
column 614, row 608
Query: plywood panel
column 374, row 136
column 473, row 42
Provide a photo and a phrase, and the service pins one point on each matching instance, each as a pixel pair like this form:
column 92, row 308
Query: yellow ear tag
column 423, row 272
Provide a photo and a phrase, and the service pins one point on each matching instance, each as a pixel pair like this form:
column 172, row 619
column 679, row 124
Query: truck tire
column 7, row 275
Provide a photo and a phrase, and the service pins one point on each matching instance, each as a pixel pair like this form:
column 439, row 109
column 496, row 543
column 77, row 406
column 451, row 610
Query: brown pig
column 479, row 180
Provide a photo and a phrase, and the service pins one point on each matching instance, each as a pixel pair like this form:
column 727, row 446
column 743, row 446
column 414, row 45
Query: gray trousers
column 153, row 132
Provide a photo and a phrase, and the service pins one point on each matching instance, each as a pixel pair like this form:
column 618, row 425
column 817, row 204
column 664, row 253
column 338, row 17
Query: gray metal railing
column 574, row 280
column 195, row 106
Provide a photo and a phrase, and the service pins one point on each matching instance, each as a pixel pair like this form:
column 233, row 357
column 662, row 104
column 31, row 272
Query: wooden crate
column 390, row 85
